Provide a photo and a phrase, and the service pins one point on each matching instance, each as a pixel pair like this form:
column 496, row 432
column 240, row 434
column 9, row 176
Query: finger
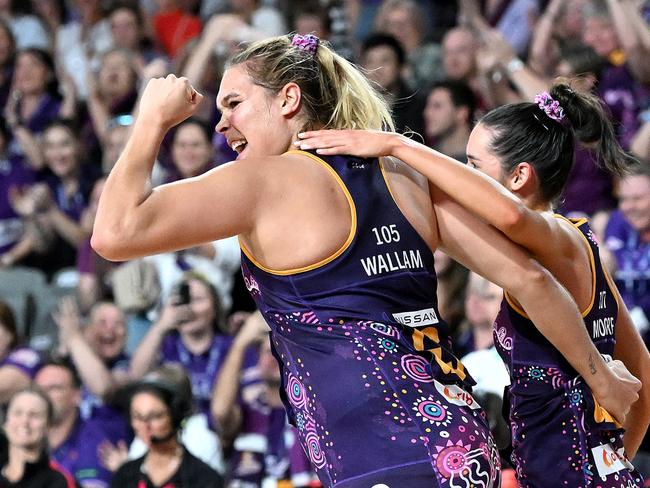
column 331, row 151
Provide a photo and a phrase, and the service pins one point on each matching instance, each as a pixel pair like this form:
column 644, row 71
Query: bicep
column 179, row 215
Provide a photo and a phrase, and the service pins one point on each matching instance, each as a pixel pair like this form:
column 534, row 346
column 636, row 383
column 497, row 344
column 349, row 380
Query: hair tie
column 307, row 43
column 550, row 106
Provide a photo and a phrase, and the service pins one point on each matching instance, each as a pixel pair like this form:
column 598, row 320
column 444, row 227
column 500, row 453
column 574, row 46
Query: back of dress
column 366, row 358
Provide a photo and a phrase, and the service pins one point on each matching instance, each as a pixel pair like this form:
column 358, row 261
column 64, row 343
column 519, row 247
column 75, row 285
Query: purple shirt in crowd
column 13, row 173
column 107, row 421
column 588, row 189
column 26, row 360
column 79, row 454
column 633, row 262
column 202, row 368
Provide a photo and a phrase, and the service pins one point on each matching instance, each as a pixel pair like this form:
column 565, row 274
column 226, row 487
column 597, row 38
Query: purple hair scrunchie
column 550, row 106
column 307, row 43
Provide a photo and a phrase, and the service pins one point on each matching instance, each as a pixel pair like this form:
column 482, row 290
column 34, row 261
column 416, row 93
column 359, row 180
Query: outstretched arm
column 478, row 193
column 484, row 250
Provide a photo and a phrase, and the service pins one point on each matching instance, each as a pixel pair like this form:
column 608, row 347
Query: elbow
column 512, row 218
column 529, row 281
column 111, row 244
column 104, row 245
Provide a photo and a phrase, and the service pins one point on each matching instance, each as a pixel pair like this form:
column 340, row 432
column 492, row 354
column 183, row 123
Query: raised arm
column 484, row 250
column 135, row 220
column 94, row 373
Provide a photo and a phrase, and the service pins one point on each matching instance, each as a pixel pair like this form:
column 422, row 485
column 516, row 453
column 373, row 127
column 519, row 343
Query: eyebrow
column 469, row 156
column 224, row 101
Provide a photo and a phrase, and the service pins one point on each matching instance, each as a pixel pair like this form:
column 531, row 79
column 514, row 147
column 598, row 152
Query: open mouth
column 238, row 146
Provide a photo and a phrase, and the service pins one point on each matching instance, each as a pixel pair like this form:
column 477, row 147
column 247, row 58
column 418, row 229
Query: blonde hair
column 335, row 94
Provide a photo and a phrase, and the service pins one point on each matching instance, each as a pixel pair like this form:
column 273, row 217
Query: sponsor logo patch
column 416, row 318
column 608, row 460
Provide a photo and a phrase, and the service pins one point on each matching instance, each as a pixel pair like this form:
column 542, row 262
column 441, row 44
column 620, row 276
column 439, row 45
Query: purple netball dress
column 369, row 377
column 561, row 437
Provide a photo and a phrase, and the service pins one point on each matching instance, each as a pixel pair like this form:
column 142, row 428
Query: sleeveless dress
column 561, row 436
column 369, row 378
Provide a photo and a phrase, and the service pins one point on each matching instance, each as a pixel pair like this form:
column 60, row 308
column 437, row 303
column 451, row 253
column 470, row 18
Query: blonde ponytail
column 335, row 94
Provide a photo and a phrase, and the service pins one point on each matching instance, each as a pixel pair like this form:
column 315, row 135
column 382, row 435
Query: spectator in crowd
column 627, row 237
column 174, row 27
column 81, row 41
column 459, row 46
column 7, row 61
column 640, row 145
column 26, row 463
column 53, row 14
column 188, row 332
column 14, row 176
column 55, row 206
column 310, row 17
column 449, row 116
column 404, row 20
column 26, row 27
column 482, row 303
column 383, row 59
column 33, row 104
column 452, row 284
column 18, row 364
column 96, row 351
column 93, row 283
column 157, row 406
column 129, row 32
column 248, row 410
column 73, row 443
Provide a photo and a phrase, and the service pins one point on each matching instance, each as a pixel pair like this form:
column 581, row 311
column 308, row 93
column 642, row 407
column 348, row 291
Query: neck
column 165, row 451
column 29, row 103
column 60, row 431
column 199, row 341
column 454, row 142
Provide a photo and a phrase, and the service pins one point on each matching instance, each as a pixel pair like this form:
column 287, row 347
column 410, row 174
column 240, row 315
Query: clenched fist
column 168, row 101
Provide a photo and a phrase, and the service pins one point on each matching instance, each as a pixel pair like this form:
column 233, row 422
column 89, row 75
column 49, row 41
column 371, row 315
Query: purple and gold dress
column 369, row 377
column 561, row 437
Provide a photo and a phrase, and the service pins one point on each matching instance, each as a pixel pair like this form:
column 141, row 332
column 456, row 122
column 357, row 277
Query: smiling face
column 106, row 331
column 203, row 309
column 191, row 150
column 60, row 151
column 26, row 422
column 634, row 201
column 251, row 118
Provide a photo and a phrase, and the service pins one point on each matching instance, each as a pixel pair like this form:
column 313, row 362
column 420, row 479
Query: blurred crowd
column 102, row 364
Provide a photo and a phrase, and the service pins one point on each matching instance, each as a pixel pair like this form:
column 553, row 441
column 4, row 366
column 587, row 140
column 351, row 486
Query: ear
column 290, row 96
column 523, row 175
